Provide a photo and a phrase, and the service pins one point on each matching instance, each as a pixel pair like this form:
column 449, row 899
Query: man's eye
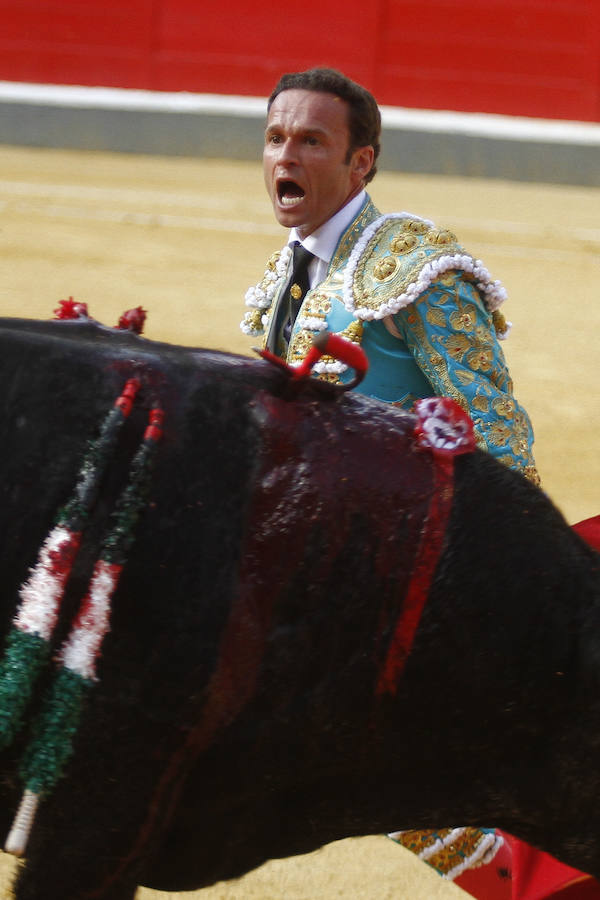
column 274, row 139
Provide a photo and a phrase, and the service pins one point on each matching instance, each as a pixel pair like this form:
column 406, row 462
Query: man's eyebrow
column 308, row 129
column 315, row 129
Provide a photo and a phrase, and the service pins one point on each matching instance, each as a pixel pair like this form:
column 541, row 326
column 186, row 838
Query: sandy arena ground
column 184, row 238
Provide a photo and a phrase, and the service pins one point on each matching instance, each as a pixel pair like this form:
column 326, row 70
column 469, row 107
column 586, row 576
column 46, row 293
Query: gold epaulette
column 398, row 258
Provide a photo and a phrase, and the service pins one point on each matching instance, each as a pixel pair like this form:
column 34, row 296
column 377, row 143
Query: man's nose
column 287, row 151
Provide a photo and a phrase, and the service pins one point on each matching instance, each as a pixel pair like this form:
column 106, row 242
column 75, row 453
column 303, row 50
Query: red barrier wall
column 521, row 57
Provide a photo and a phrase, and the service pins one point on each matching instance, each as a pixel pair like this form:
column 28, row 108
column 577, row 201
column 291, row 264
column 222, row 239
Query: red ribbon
column 446, row 431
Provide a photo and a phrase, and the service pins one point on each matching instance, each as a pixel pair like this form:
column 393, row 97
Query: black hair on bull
column 236, row 716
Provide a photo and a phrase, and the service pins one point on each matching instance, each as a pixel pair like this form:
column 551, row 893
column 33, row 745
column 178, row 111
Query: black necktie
column 293, row 296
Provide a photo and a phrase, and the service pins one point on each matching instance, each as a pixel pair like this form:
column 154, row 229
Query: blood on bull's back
column 280, row 640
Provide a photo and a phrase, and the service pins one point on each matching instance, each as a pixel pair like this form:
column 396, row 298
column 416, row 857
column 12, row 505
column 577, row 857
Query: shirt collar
column 324, row 240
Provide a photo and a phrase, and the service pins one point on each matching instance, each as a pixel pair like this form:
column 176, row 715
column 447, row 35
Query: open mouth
column 289, row 193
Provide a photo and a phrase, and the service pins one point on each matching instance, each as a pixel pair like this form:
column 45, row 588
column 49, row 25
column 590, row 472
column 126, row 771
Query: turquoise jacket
column 426, row 314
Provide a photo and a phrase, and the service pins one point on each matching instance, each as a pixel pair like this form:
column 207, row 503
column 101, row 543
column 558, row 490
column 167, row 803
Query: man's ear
column 362, row 161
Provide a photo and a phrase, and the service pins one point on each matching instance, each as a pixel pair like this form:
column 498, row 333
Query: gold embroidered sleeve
column 452, row 336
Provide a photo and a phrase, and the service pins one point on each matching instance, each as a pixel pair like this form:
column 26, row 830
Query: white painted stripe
column 487, row 125
column 129, row 217
column 527, row 252
column 49, row 200
column 499, row 127
column 216, row 201
column 536, row 231
column 81, row 97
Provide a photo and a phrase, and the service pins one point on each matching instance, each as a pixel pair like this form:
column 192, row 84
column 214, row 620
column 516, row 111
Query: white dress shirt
column 324, row 240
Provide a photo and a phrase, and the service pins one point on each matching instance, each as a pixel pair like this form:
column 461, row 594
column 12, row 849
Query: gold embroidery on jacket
column 504, row 406
column 463, row 318
column 436, row 316
column 319, row 301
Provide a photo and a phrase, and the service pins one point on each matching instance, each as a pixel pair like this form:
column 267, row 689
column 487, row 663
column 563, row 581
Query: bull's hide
column 236, row 716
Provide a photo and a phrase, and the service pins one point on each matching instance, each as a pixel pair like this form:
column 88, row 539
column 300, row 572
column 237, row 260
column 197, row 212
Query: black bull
column 236, row 717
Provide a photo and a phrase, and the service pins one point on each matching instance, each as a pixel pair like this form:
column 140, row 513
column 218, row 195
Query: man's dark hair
column 364, row 120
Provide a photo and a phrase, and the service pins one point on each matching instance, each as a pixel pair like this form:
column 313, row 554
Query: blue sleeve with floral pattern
column 452, row 336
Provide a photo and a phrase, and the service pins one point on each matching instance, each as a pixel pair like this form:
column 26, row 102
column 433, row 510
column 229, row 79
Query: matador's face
column 309, row 172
